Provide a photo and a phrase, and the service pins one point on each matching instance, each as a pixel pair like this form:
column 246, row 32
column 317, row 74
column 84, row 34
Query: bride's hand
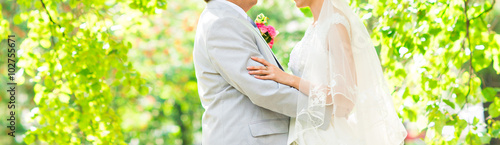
column 269, row 72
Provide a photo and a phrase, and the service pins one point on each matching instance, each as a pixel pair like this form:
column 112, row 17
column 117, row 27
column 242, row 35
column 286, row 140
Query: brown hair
column 207, row 1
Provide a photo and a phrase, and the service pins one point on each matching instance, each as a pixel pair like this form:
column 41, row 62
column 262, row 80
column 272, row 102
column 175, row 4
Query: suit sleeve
column 230, row 45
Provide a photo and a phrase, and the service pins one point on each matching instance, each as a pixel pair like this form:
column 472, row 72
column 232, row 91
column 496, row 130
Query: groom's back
column 230, row 116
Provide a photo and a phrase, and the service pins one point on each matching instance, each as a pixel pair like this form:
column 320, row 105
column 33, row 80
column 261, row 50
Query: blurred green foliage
column 121, row 72
column 441, row 57
column 114, row 72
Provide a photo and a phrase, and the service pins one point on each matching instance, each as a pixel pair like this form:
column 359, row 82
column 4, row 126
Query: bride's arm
column 339, row 49
column 271, row 72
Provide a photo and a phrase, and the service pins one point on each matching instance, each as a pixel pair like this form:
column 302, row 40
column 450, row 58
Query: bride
column 336, row 66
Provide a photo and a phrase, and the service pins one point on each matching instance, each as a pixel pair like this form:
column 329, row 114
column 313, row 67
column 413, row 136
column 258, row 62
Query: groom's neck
column 244, row 4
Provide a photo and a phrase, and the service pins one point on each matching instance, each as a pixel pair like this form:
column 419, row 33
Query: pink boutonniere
column 267, row 32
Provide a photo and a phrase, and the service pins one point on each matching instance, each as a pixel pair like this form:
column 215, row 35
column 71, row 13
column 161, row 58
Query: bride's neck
column 316, row 8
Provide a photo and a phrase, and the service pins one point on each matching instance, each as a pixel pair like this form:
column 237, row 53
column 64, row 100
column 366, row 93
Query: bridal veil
column 343, row 75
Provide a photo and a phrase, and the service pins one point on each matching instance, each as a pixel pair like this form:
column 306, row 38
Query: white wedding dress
column 338, row 62
column 337, row 132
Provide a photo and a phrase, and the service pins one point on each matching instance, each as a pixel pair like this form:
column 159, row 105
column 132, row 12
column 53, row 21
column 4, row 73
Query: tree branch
column 50, row 17
column 471, row 68
column 485, row 11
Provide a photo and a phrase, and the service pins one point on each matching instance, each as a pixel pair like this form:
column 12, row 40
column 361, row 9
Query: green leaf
column 37, row 98
column 494, row 109
column 64, row 98
column 485, row 139
column 475, row 121
column 489, row 94
column 400, row 72
column 416, row 98
column 496, row 60
column 29, row 139
column 460, row 99
column 410, row 114
column 49, row 83
column 17, row 19
column 480, row 61
column 406, row 93
column 432, row 84
column 449, row 103
column 460, row 126
column 495, row 132
column 473, row 139
column 45, row 43
column 144, row 90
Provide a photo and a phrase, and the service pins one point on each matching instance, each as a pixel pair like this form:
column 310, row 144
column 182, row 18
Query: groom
column 239, row 109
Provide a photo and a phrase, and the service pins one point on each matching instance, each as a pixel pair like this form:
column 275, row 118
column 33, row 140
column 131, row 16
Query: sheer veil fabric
column 339, row 67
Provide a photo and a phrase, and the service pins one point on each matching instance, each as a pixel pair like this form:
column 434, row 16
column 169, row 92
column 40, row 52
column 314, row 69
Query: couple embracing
column 337, row 94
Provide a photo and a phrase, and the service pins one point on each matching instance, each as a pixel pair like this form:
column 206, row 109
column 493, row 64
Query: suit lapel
column 267, row 52
column 268, row 49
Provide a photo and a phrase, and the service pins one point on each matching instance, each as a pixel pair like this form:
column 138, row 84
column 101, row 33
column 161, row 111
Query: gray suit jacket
column 239, row 109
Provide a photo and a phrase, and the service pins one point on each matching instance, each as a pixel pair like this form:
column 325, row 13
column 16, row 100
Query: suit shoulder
column 217, row 18
column 226, row 22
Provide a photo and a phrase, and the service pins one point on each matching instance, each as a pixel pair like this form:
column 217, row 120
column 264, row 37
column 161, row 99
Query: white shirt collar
column 235, row 7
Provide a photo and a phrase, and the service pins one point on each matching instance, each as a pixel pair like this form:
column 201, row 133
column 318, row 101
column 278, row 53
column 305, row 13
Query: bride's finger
column 258, row 72
column 267, row 77
column 256, row 68
column 262, row 61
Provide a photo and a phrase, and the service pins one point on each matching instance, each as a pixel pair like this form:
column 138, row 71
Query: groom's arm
column 230, row 45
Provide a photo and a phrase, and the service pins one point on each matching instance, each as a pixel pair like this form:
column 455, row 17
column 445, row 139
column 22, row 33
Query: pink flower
column 271, row 44
column 271, row 31
column 262, row 27
column 260, row 24
column 267, row 32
